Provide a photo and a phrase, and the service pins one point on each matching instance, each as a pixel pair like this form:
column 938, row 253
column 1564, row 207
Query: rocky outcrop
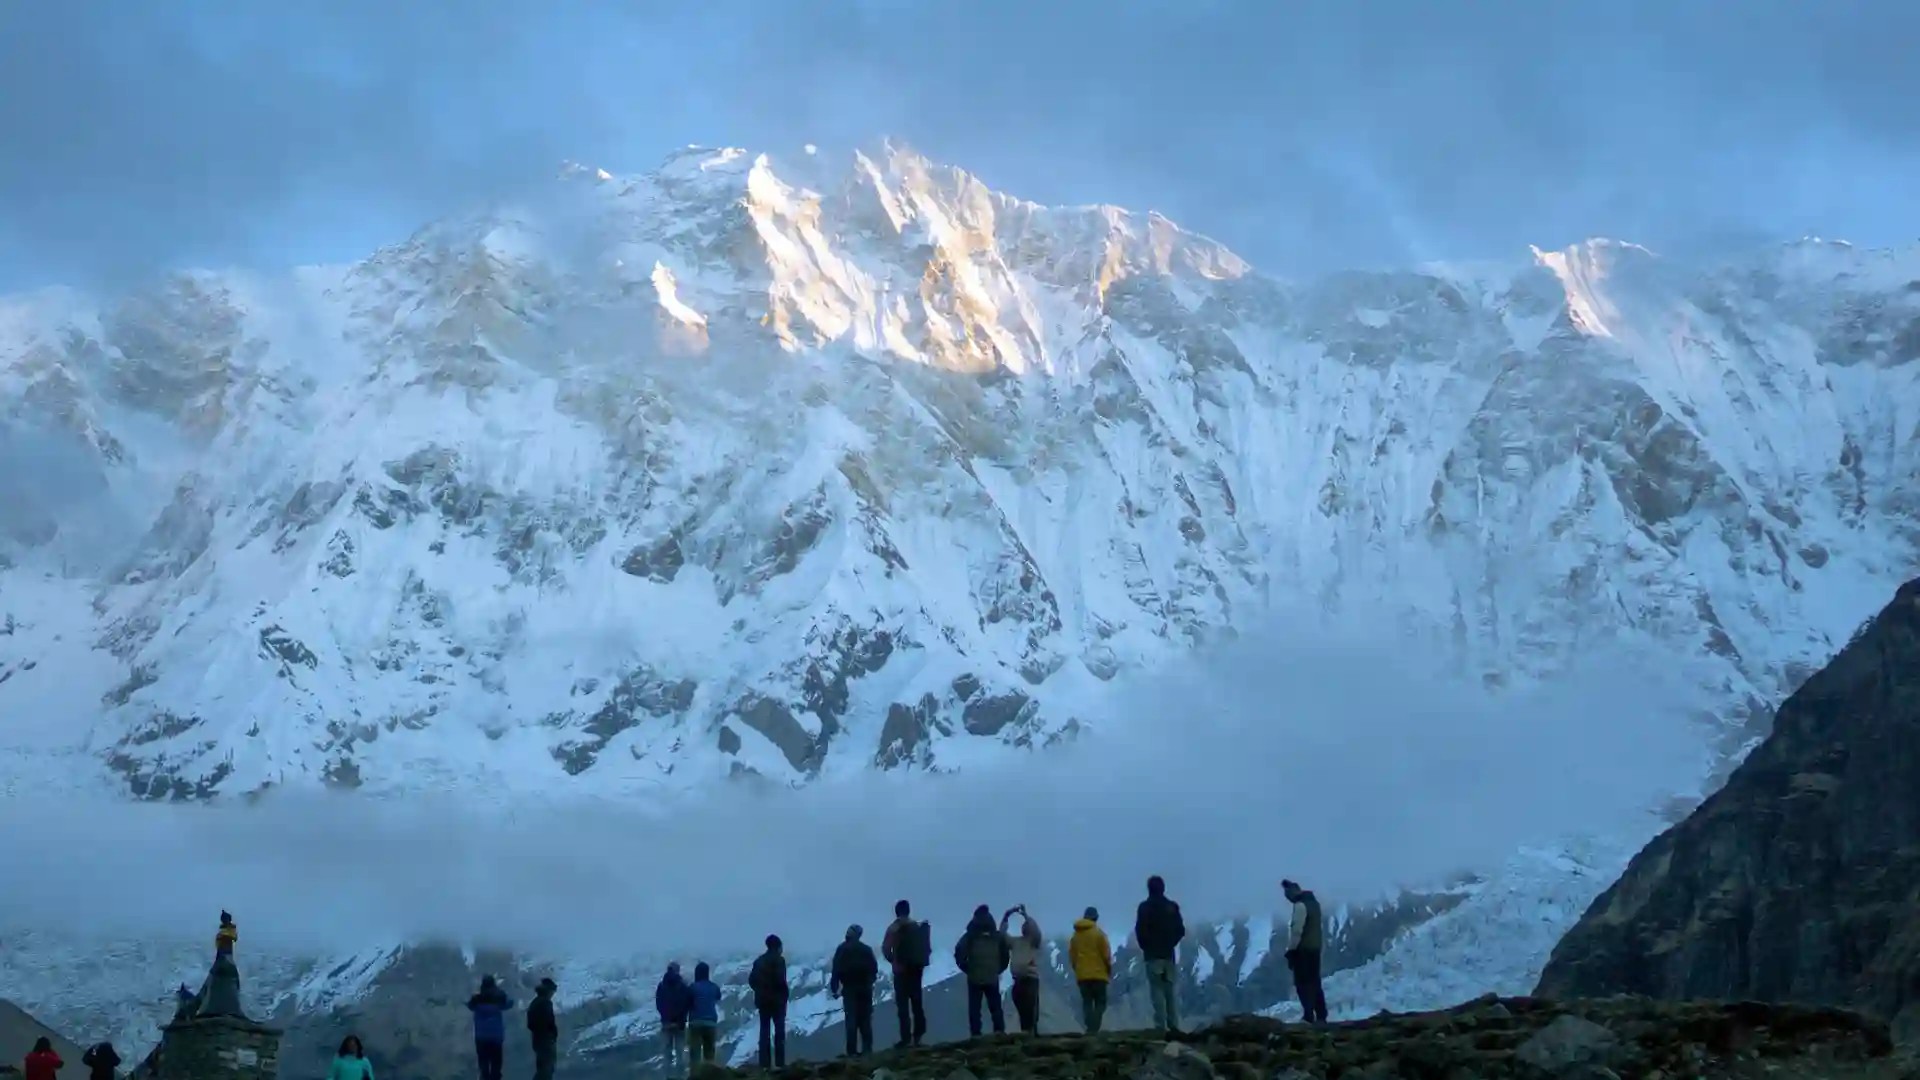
column 1489, row 1038
column 1797, row 880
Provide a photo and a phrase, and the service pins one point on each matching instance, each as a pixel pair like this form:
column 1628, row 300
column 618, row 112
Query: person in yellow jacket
column 1091, row 955
column 224, row 938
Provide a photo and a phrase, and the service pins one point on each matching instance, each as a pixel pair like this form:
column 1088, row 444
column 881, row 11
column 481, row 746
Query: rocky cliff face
column 1800, row 879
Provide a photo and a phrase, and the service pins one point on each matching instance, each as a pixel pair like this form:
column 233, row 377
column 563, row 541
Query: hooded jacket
column 703, row 1001
column 1090, row 953
column 101, row 1060
column 854, row 966
column 981, row 953
column 768, row 981
column 489, row 1008
column 1158, row 928
column 541, row 1023
column 673, row 997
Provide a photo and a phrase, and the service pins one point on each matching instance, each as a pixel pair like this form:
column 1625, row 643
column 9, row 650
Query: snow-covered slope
column 801, row 468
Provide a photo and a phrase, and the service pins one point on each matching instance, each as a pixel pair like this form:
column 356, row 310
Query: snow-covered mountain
column 802, row 468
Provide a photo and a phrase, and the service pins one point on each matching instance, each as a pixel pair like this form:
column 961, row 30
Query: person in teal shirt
column 351, row 1062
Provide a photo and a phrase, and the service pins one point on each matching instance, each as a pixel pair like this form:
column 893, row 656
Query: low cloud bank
column 1340, row 760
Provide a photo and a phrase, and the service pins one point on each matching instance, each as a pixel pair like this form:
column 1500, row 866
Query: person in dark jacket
column 489, row 1007
column 703, row 1016
column 907, row 949
column 544, row 1029
column 101, row 1060
column 1305, row 935
column 855, row 970
column 982, row 954
column 768, row 981
column 673, row 999
column 1158, row 930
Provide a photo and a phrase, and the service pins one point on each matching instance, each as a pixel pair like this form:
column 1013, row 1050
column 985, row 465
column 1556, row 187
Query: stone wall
column 219, row 1048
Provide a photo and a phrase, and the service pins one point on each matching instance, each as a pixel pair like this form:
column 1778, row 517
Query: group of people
column 986, row 951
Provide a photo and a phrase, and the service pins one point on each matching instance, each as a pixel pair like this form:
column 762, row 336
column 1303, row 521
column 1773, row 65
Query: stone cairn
column 210, row 1036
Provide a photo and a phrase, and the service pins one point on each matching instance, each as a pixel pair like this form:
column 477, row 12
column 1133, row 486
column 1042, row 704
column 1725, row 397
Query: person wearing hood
column 981, row 954
column 855, row 970
column 1158, row 929
column 544, row 1030
column 1305, row 935
column 768, row 981
column 1091, row 955
column 703, row 1016
column 101, row 1060
column 489, row 1007
column 43, row 1061
column 908, row 946
column 673, row 999
column 1023, row 961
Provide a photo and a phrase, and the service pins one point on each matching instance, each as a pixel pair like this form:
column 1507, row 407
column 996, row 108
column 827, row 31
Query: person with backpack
column 101, row 1060
column 1023, row 950
column 673, row 999
column 350, row 1061
column 43, row 1061
column 855, row 970
column 1158, row 929
column 489, row 1007
column 1305, row 935
column 1091, row 956
column 703, row 1016
column 543, row 1029
column 981, row 954
column 768, row 981
column 908, row 946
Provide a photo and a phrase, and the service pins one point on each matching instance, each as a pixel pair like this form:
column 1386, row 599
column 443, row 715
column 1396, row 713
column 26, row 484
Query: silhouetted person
column 43, row 1062
column 225, row 937
column 101, row 1060
column 673, row 1000
column 768, row 981
column 981, row 954
column 543, row 1029
column 855, row 970
column 1158, row 929
column 1305, row 936
column 489, row 1007
column 1023, row 950
column 703, row 1016
column 908, row 946
column 350, row 1062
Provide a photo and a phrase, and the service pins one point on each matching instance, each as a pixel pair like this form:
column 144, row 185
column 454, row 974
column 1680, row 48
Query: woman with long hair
column 351, row 1062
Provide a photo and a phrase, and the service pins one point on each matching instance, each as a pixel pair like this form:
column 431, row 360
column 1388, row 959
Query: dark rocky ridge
column 1486, row 1039
column 1800, row 879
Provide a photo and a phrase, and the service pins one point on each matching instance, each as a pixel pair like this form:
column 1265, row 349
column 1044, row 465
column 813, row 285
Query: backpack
column 915, row 948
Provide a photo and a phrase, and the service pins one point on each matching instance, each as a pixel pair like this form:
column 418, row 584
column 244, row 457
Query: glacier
column 784, row 470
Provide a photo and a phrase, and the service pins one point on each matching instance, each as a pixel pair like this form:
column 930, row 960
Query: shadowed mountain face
column 1800, row 879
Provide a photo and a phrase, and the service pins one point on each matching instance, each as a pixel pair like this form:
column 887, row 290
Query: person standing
column 1305, row 936
column 1023, row 951
column 981, row 954
column 855, row 970
column 489, row 1007
column 101, row 1061
column 43, row 1061
column 350, row 1062
column 1091, row 955
column 544, row 1030
column 673, row 999
column 908, row 946
column 768, row 981
column 703, row 1016
column 1158, row 929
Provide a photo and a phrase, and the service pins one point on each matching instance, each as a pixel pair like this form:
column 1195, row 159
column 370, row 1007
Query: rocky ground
column 1487, row 1039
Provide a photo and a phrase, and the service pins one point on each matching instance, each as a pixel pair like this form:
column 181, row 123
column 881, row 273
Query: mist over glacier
column 1336, row 754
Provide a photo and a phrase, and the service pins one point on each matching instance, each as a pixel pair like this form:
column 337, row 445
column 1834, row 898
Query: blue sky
column 142, row 134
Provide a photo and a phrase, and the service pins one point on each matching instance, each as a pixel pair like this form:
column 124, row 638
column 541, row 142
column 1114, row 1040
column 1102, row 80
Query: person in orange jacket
column 1091, row 955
